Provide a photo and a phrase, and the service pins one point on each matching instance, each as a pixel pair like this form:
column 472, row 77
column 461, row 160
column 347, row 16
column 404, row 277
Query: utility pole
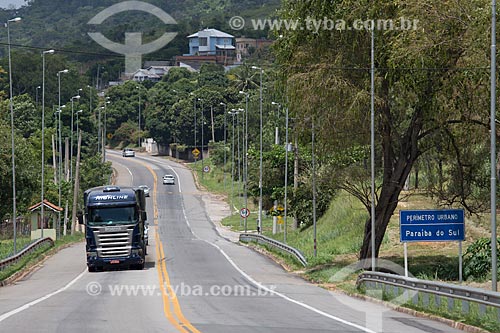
column 213, row 126
column 77, row 185
column 295, row 174
column 245, row 157
column 260, row 158
column 493, row 184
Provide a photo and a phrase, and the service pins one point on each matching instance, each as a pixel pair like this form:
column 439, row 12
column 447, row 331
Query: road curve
column 195, row 280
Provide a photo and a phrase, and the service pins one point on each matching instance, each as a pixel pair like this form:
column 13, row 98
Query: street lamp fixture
column 11, row 104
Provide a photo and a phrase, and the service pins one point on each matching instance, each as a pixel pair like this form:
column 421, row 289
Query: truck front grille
column 113, row 241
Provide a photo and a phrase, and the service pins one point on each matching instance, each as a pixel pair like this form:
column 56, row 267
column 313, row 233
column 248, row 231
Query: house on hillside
column 209, row 46
column 246, row 46
column 151, row 73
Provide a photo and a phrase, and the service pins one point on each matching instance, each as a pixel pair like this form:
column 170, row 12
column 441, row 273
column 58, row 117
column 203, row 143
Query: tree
column 418, row 80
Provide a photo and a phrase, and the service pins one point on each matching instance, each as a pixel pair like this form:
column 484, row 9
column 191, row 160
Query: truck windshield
column 112, row 215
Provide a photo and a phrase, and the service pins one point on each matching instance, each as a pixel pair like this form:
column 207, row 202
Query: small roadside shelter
column 50, row 218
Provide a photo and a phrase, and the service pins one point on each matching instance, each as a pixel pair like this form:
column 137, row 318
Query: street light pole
column 11, row 104
column 195, row 128
column 287, row 148
column 104, row 135
column 59, row 139
column 77, row 121
column 36, row 93
column 276, row 142
column 313, row 186
column 59, row 169
column 233, row 112
column 245, row 157
column 276, row 130
column 137, row 87
column 43, row 137
column 202, row 143
column 225, row 159
column 493, row 181
column 71, row 139
column 260, row 162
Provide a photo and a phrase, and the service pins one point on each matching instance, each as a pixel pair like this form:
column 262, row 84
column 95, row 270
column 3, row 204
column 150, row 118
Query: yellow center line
column 168, row 294
column 165, row 296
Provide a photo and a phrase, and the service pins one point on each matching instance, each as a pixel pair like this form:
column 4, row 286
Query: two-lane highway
column 194, row 280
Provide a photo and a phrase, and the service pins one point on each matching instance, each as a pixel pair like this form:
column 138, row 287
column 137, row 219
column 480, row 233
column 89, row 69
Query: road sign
column 195, row 152
column 206, row 168
column 280, row 220
column 439, row 225
column 244, row 212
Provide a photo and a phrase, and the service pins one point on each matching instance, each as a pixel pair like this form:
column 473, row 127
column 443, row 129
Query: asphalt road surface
column 196, row 279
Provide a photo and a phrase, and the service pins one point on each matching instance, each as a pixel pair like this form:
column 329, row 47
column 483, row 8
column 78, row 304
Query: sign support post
column 439, row 225
column 460, row 264
column 405, row 247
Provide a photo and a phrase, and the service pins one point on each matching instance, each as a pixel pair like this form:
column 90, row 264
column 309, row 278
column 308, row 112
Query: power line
column 114, row 55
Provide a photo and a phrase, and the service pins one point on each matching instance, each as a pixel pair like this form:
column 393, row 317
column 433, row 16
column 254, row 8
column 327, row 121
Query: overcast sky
column 7, row 3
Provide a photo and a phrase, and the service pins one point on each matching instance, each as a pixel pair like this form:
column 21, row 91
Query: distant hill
column 62, row 24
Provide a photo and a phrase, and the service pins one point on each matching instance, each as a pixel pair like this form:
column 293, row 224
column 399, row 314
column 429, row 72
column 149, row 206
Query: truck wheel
column 92, row 269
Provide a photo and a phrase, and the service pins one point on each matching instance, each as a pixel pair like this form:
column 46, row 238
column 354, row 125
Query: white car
column 128, row 152
column 145, row 188
column 169, row 179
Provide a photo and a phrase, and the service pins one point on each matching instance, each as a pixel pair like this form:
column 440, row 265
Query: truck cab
column 115, row 227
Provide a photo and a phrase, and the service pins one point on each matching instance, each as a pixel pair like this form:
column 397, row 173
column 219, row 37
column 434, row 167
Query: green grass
column 7, row 246
column 338, row 232
column 37, row 255
column 216, row 182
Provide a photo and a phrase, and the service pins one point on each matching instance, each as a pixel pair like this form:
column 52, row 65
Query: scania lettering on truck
column 115, row 227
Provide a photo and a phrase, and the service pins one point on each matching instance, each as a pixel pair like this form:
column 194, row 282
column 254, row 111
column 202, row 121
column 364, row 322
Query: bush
column 477, row 259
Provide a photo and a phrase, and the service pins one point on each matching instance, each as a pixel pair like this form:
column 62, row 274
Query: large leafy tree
column 426, row 100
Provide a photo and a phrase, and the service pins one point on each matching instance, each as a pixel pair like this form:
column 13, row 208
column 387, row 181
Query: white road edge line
column 258, row 284
column 304, row 305
column 41, row 299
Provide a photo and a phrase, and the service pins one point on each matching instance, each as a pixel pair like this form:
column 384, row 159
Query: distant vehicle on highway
column 145, row 188
column 168, row 180
column 128, row 152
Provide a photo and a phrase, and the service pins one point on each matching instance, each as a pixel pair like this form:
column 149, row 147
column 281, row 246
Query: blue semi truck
column 115, row 227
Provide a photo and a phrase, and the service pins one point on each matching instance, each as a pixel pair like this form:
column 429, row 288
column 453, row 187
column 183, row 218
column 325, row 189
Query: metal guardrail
column 276, row 244
column 421, row 290
column 27, row 250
